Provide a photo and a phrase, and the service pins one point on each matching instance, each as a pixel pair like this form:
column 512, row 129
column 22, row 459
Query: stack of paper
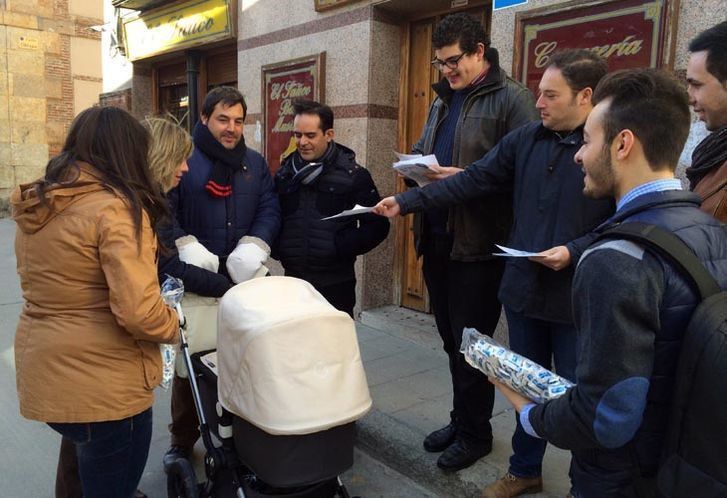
column 415, row 167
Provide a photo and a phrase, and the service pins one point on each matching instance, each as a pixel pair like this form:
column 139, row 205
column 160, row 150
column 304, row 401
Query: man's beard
column 601, row 177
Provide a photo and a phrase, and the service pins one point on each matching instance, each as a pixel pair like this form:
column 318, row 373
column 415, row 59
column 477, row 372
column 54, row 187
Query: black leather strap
column 669, row 246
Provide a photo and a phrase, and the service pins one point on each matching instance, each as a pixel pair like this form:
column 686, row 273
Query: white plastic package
column 517, row 372
column 172, row 294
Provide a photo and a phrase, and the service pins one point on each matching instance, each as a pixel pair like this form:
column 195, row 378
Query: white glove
column 247, row 258
column 194, row 253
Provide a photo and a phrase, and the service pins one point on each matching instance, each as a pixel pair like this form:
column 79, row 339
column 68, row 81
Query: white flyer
column 415, row 167
column 509, row 252
column 351, row 212
column 405, row 157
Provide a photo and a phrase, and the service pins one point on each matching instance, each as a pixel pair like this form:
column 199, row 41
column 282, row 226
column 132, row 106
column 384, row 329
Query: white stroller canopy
column 289, row 362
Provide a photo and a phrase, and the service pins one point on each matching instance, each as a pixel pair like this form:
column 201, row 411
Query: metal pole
column 193, row 58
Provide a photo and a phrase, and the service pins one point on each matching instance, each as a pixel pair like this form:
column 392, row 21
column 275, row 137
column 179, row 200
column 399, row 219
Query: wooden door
column 417, row 76
column 418, row 93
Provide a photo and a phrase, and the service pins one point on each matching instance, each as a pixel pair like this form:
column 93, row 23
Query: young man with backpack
column 633, row 306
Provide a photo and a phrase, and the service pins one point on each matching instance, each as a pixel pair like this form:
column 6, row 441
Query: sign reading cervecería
column 180, row 26
column 627, row 33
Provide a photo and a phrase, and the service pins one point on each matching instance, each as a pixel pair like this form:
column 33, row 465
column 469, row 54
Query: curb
column 399, row 446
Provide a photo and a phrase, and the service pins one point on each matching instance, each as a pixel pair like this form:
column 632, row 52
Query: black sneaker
column 174, row 453
column 440, row 439
column 463, row 453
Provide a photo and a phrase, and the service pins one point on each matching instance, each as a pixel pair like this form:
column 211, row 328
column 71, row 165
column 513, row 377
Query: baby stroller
column 280, row 396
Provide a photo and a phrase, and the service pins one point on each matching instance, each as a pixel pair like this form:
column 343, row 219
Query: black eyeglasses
column 450, row 62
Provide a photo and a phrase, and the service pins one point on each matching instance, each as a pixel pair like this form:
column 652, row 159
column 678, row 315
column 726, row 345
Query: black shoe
column 440, row 439
column 174, row 453
column 463, row 453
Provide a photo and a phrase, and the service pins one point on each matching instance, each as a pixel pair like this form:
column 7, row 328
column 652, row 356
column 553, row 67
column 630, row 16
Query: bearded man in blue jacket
column 631, row 305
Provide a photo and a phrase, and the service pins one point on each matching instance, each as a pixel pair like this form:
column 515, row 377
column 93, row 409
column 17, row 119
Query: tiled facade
column 51, row 70
column 362, row 44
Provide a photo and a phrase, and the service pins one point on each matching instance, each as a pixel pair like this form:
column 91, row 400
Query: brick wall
column 120, row 99
column 38, row 88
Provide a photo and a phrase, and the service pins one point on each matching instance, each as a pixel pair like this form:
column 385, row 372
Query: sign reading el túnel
column 283, row 83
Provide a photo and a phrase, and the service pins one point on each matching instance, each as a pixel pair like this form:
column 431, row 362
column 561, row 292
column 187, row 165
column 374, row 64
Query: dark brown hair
column 460, row 28
column 714, row 42
column 116, row 145
column 653, row 105
column 229, row 96
column 314, row 108
column 580, row 68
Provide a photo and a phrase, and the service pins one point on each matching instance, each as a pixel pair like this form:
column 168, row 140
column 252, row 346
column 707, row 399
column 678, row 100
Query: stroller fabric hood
column 289, row 362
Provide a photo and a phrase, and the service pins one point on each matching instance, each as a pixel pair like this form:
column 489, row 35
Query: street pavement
column 409, row 381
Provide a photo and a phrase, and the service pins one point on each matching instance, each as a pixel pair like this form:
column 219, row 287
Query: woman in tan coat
column 86, row 347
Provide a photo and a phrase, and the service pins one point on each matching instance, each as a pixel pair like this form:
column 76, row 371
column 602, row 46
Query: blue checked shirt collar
column 647, row 188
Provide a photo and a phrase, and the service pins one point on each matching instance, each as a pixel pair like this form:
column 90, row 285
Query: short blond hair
column 170, row 145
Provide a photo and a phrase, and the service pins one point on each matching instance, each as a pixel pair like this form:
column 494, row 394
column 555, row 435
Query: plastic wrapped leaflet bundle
column 517, row 372
column 172, row 293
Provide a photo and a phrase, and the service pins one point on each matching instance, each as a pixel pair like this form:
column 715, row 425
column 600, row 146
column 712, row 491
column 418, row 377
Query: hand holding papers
column 556, row 258
column 416, row 167
column 514, row 253
column 351, row 212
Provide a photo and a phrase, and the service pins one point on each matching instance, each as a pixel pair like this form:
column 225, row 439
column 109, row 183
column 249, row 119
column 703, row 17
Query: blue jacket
column 195, row 279
column 631, row 308
column 536, row 165
column 219, row 223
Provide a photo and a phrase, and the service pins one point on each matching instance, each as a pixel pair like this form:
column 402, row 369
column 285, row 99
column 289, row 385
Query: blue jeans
column 539, row 341
column 111, row 455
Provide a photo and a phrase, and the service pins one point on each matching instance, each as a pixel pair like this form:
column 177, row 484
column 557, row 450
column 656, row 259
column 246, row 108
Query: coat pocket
column 151, row 362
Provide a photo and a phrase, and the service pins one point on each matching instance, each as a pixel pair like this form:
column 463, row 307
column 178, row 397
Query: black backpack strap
column 671, row 247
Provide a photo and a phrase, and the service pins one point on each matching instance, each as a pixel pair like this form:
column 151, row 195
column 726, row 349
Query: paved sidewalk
column 409, row 379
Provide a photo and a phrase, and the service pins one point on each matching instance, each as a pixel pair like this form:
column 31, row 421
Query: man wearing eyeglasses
column 477, row 104
column 321, row 179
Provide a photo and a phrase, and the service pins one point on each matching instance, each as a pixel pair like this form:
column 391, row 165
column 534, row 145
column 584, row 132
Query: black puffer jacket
column 323, row 251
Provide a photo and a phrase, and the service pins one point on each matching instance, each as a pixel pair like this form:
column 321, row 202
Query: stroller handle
column 180, row 315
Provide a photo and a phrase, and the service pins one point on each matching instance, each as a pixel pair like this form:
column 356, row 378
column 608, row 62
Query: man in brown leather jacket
column 476, row 105
column 707, row 79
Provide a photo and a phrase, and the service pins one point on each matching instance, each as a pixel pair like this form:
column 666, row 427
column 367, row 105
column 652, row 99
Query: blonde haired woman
column 170, row 147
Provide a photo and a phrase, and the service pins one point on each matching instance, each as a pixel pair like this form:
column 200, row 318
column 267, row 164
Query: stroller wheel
column 181, row 480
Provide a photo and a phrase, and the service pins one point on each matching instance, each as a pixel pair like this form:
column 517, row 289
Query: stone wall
column 361, row 86
column 53, row 71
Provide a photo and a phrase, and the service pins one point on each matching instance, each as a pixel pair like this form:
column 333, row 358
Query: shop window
column 174, row 100
column 173, row 97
